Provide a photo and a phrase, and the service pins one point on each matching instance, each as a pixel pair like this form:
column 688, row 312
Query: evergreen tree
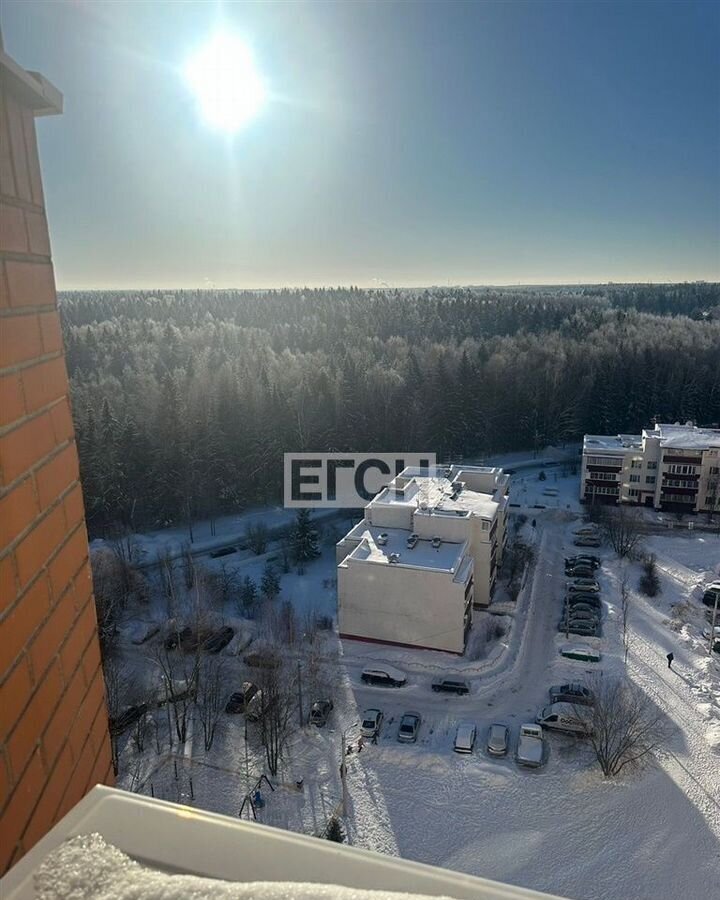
column 270, row 582
column 248, row 597
column 334, row 831
column 305, row 539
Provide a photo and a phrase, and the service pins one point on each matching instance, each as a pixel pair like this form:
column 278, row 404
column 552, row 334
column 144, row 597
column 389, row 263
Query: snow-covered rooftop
column 685, row 437
column 431, row 494
column 612, row 443
column 393, row 544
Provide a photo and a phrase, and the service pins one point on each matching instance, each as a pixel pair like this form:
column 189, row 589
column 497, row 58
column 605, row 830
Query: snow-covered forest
column 185, row 402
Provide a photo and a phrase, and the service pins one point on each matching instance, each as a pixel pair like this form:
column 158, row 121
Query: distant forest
column 185, row 401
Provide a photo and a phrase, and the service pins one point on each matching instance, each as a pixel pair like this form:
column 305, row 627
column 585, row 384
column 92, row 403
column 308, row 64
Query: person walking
column 374, row 737
column 670, row 658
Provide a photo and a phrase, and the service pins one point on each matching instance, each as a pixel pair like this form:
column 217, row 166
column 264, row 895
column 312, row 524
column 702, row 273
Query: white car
column 583, row 586
column 465, row 738
column 371, row 722
column 531, row 746
column 707, row 629
column 585, row 530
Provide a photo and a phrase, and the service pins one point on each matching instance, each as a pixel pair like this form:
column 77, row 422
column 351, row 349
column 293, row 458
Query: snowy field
column 563, row 828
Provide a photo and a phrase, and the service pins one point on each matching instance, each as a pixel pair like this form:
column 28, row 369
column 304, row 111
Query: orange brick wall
column 53, row 723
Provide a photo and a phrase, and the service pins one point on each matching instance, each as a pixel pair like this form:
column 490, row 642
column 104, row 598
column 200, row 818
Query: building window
column 485, row 525
column 634, row 479
column 649, row 479
column 652, row 464
column 715, row 470
column 636, row 464
column 677, row 469
column 633, row 492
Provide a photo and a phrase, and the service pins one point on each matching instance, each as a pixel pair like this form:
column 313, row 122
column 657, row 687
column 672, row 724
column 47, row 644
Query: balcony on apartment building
column 178, row 840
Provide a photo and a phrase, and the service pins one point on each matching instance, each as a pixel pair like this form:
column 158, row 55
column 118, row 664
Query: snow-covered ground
column 563, row 828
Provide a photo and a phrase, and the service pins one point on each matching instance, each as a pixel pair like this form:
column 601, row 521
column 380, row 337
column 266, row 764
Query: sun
column 227, row 86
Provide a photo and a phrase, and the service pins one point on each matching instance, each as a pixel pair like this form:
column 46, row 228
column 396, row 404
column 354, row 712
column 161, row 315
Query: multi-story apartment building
column 669, row 467
column 426, row 552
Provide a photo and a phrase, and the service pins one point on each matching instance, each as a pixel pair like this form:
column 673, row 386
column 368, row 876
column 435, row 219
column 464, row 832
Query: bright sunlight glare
column 226, row 84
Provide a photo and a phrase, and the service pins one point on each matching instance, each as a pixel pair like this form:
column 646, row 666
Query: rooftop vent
column 436, row 542
column 382, row 539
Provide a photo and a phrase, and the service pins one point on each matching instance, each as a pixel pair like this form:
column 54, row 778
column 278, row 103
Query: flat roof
column 448, row 557
column 685, row 437
column 609, row 443
column 430, row 495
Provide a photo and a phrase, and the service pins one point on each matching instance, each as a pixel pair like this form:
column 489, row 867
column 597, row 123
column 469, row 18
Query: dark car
column 239, row 700
column 222, row 551
column 579, row 572
column 583, row 559
column 572, row 692
column 385, row 677
column 221, row 638
column 121, row 722
column 712, row 594
column 576, row 609
column 591, row 599
column 186, row 639
column 320, row 712
column 586, row 629
column 451, row 686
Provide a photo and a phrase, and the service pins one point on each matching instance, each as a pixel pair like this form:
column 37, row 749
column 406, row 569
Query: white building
column 669, row 467
column 426, row 552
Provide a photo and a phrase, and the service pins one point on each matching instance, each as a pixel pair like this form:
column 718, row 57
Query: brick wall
column 53, row 723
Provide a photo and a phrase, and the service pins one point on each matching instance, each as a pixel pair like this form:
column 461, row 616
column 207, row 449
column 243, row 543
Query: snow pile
column 86, row 867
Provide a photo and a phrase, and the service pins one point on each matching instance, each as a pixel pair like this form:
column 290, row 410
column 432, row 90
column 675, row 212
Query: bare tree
column 277, row 713
column 624, row 726
column 116, row 683
column 167, row 579
column 179, row 686
column 210, row 697
column 188, row 566
column 622, row 527
column 256, row 535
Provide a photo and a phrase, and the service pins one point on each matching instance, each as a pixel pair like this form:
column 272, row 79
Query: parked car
column 239, row 700
column 320, row 711
column 579, row 572
column 219, row 639
column 409, row 727
column 385, row 677
column 580, row 652
column 590, row 599
column 583, row 585
column 465, row 738
column 264, row 658
column 498, row 739
column 580, row 610
column 587, row 528
column 128, row 717
column 579, row 613
column 451, row 685
column 371, row 723
column 572, row 692
column 222, row 551
column 531, row 746
column 563, row 717
column 711, row 594
column 587, row 541
column 584, row 629
column 583, row 559
column 708, row 629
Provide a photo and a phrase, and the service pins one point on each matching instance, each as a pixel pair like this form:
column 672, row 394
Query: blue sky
column 403, row 143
